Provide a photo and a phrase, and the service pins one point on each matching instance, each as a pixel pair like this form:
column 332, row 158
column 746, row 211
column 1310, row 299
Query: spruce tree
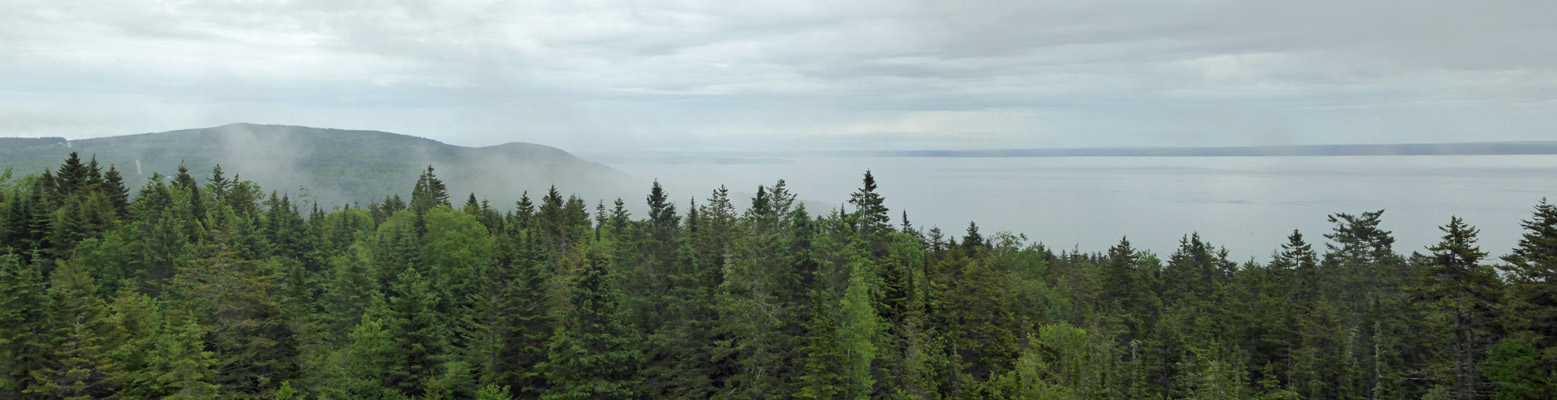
column 72, row 178
column 825, row 361
column 184, row 369
column 349, row 293
column 662, row 214
column 1532, row 272
column 593, row 354
column 524, row 211
column 525, row 321
column 135, row 323
column 1462, row 297
column 420, row 335
column 367, row 360
column 244, row 323
column 861, row 330
column 219, row 184
column 24, row 328
column 118, row 194
column 870, row 210
column 429, row 192
column 78, row 367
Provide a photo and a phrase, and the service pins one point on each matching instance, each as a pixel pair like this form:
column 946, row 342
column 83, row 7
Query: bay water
column 1246, row 204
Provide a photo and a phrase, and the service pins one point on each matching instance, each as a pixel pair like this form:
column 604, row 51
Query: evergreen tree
column 183, row 368
column 524, row 211
column 118, row 194
column 219, row 184
column 78, row 367
column 135, row 328
column 350, row 292
column 593, row 354
column 81, row 371
column 429, row 192
column 1532, row 274
column 825, row 358
column 860, row 331
column 870, row 209
column 244, row 324
column 72, row 178
column 972, row 241
column 1461, row 296
column 525, row 310
column 182, row 179
column 419, row 334
column 24, row 329
column 662, row 214
column 968, row 303
column 367, row 362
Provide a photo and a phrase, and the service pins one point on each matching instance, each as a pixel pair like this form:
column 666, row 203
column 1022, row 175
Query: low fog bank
column 1246, row 204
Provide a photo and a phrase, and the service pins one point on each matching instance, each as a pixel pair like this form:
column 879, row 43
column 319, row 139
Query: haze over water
column 1246, row 204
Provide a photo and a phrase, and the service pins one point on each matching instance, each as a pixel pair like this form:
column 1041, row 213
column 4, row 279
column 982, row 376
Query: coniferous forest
column 202, row 286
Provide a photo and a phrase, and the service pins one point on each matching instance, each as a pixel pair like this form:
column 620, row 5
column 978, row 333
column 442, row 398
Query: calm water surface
column 1246, row 204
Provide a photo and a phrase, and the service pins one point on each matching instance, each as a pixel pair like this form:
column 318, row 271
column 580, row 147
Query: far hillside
column 334, row 166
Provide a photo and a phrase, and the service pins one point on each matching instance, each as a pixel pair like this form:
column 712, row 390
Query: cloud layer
column 707, row 75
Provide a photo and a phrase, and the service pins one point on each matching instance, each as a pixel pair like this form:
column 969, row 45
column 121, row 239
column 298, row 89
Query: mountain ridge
column 331, row 165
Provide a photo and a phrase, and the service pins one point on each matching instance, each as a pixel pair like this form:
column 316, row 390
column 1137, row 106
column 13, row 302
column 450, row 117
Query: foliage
column 190, row 289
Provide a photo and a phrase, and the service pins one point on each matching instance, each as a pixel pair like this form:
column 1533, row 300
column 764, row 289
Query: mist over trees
column 212, row 287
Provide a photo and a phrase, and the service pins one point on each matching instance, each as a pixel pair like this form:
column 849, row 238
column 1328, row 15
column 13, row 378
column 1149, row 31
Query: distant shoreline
column 1341, row 150
column 1446, row 149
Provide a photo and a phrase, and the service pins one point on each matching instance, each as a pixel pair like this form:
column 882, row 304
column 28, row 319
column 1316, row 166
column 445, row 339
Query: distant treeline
column 201, row 288
column 27, row 143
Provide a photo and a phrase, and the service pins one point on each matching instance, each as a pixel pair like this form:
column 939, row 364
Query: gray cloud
column 604, row 75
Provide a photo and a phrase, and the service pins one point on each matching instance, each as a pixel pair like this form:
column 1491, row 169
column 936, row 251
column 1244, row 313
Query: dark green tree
column 242, row 321
column 118, row 194
column 418, row 333
column 1532, row 275
column 593, row 354
column 183, row 368
column 24, row 329
column 525, row 319
column 429, row 192
column 1461, row 297
column 870, row 210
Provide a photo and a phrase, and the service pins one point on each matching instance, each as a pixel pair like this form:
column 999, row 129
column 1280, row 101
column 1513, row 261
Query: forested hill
column 209, row 288
column 335, row 166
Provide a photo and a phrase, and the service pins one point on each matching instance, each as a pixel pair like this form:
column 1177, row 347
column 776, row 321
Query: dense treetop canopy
column 197, row 288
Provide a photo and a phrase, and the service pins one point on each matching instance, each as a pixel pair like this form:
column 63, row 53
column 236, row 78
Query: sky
column 791, row 75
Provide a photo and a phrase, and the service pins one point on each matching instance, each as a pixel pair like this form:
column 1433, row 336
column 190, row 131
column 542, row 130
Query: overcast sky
column 766, row 75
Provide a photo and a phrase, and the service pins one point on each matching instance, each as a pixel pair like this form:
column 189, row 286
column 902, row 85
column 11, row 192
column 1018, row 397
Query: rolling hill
column 333, row 166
